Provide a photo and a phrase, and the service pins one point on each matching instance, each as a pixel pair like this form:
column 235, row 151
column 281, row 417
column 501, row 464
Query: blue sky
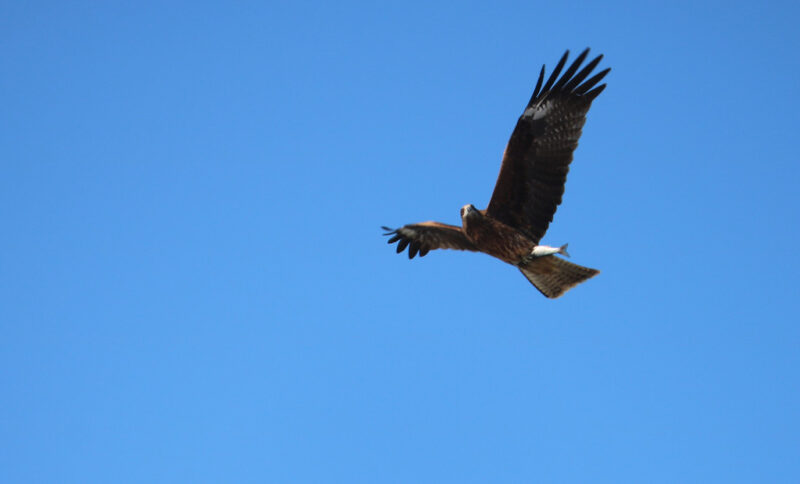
column 195, row 287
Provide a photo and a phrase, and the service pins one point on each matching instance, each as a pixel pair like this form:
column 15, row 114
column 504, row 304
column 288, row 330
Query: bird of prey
column 529, row 186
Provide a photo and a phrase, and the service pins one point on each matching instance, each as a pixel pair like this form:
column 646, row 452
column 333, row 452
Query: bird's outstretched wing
column 538, row 154
column 426, row 236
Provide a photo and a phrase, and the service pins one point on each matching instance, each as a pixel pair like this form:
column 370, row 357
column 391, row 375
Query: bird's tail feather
column 554, row 276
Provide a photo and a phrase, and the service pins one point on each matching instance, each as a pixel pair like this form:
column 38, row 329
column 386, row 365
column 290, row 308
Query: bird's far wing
column 538, row 154
column 423, row 237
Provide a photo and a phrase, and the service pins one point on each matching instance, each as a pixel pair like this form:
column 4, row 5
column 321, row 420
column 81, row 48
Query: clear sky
column 194, row 286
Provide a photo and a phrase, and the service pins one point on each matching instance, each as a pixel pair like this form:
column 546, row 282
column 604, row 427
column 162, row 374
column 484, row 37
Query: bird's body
column 529, row 187
column 495, row 238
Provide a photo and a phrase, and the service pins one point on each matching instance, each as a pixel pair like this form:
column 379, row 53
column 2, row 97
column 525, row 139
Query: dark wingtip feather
column 579, row 77
column 595, row 92
column 538, row 86
column 413, row 248
column 571, row 70
column 556, row 72
column 583, row 88
column 570, row 82
column 402, row 245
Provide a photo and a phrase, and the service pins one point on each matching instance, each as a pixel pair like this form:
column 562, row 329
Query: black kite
column 529, row 187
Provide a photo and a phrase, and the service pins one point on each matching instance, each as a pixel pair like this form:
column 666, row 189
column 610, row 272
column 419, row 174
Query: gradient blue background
column 194, row 286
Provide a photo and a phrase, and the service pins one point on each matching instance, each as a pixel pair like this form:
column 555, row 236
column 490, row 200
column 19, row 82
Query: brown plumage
column 529, row 187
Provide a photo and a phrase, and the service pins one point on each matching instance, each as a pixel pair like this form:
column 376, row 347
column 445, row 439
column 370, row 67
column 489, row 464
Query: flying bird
column 529, row 187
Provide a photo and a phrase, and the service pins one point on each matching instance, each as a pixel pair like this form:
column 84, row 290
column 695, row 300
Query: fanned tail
column 554, row 276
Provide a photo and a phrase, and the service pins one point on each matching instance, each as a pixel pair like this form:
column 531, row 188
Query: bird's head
column 469, row 210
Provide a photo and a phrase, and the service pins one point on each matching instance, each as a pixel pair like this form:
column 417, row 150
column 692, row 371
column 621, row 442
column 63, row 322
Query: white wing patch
column 536, row 112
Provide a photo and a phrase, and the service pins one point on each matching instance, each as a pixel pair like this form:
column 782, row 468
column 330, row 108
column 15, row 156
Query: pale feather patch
column 536, row 112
